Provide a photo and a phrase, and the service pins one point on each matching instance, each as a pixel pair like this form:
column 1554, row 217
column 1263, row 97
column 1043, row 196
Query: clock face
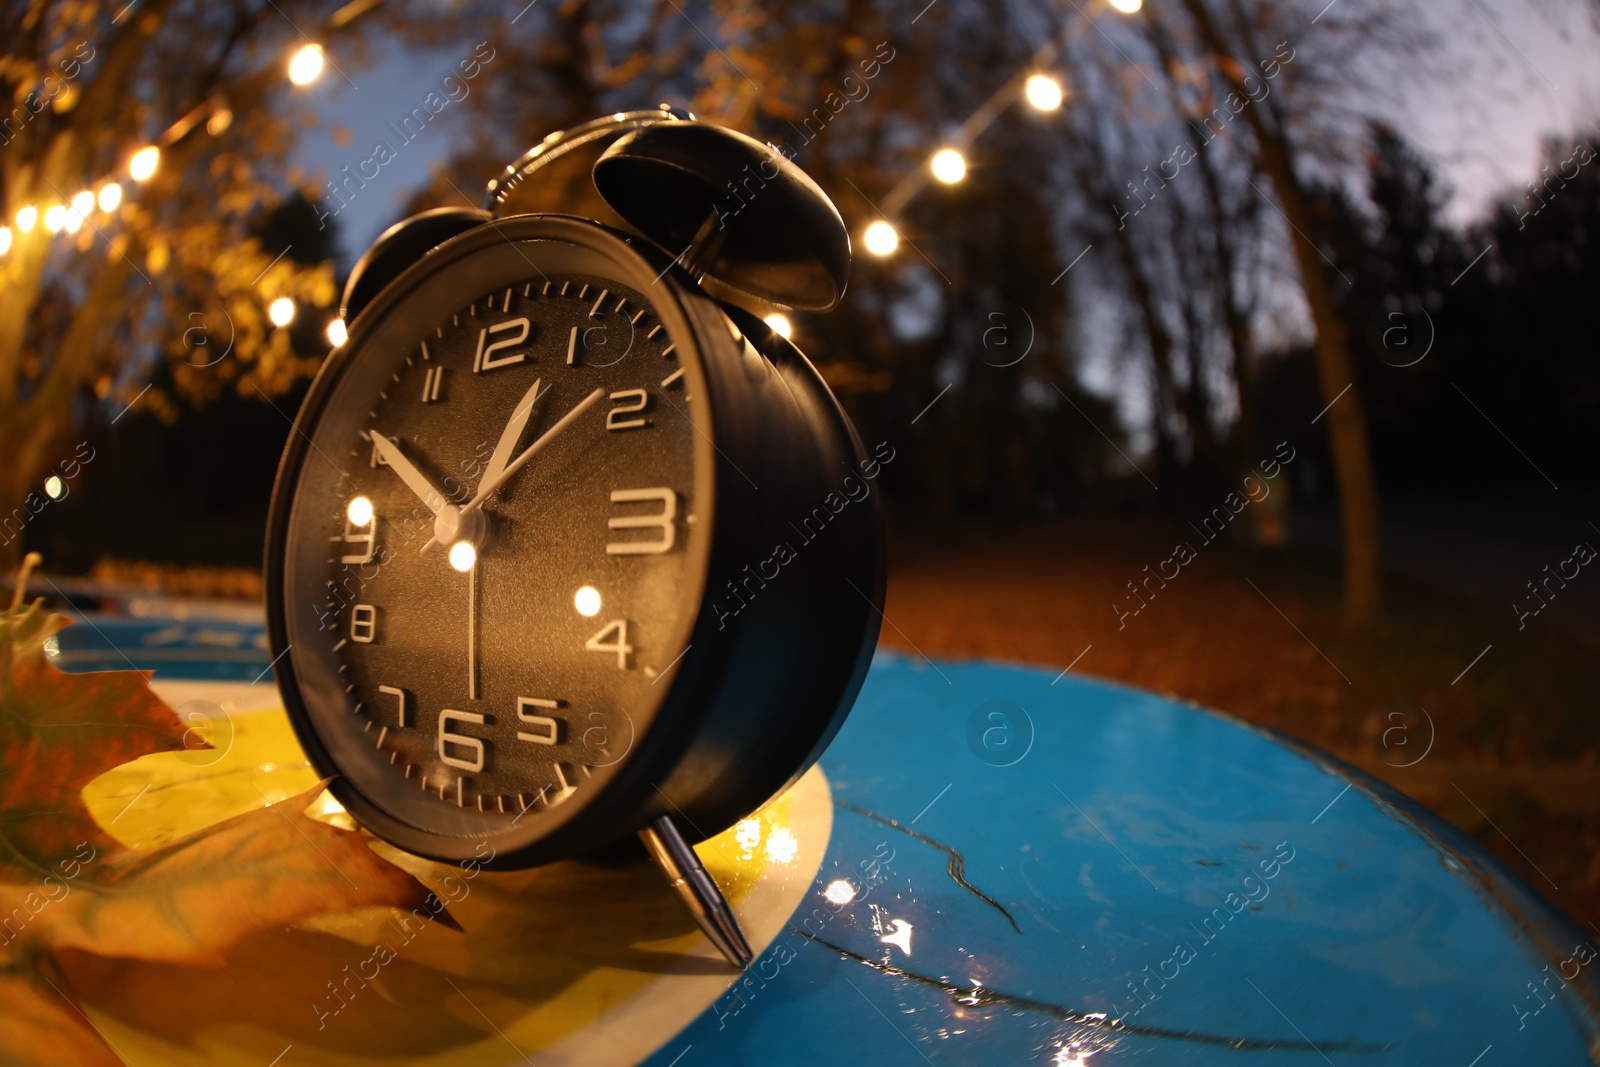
column 480, row 636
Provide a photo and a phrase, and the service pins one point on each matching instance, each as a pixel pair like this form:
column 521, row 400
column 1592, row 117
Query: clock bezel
column 596, row 812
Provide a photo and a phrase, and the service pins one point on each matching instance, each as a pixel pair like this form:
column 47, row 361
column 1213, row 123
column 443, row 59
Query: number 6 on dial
column 472, row 744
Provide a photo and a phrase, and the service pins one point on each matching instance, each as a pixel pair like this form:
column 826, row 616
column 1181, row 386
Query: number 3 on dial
column 663, row 521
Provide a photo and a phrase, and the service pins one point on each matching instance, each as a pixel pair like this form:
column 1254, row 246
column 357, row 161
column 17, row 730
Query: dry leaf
column 66, row 883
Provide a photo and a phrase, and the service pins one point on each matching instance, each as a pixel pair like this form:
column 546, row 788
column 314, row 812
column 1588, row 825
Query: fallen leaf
column 65, row 883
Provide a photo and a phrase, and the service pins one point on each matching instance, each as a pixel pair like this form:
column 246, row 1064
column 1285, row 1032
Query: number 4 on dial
column 619, row 644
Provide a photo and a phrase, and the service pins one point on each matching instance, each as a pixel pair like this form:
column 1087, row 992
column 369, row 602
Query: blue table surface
column 1071, row 872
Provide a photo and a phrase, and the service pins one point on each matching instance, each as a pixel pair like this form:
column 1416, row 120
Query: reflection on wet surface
column 957, row 861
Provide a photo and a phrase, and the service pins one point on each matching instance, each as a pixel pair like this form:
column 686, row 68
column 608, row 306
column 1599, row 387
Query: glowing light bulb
column 463, row 557
column 5, row 239
column 54, row 218
column 26, row 218
column 881, row 239
column 587, row 601
column 71, row 221
column 359, row 511
column 948, row 165
column 1127, row 7
column 54, row 488
column 306, row 66
column 780, row 324
column 144, row 162
column 281, row 311
column 1043, row 92
column 110, row 196
column 337, row 333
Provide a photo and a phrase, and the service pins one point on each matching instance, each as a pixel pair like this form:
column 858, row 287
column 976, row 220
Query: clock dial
column 501, row 549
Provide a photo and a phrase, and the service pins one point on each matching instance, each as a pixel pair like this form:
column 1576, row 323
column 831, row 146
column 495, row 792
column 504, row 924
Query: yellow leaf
column 67, row 884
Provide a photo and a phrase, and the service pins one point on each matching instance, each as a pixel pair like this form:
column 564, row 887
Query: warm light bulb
column 110, row 196
column 780, row 324
column 26, row 218
column 54, row 488
column 5, row 239
column 306, row 66
column 143, row 164
column 54, row 218
column 71, row 221
column 359, row 511
column 83, row 203
column 1127, row 7
column 948, row 166
column 337, row 334
column 881, row 238
column 587, row 601
column 281, row 311
column 1043, row 92
column 463, row 557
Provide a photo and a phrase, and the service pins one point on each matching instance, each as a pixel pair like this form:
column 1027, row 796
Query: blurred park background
column 1307, row 288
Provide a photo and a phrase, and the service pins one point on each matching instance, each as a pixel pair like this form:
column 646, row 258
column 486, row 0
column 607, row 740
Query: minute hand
column 491, row 484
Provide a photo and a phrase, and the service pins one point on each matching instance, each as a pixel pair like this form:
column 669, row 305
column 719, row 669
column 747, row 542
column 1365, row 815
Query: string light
column 5, row 239
column 143, row 164
column 71, row 221
column 780, row 324
column 306, row 66
column 1127, row 7
column 881, row 238
column 110, row 196
column 55, row 217
column 26, row 218
column 281, row 311
column 1043, row 92
column 948, row 165
column 83, row 203
column 337, row 334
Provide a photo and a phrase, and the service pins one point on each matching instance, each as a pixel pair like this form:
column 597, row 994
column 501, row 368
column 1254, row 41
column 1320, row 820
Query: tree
column 90, row 309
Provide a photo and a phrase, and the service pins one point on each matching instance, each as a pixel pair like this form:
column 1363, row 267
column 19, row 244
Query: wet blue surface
column 219, row 650
column 1089, row 874
column 1114, row 842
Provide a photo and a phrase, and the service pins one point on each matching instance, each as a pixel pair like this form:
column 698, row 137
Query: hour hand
column 415, row 480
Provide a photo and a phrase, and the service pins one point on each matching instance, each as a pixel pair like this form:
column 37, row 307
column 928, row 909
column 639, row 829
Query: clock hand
column 510, row 435
column 415, row 480
column 465, row 522
column 489, row 485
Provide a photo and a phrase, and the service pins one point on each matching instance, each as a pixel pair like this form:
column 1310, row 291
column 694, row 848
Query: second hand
column 472, row 631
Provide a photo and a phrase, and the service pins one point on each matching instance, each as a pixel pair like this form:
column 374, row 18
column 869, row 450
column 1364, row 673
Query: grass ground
column 1515, row 759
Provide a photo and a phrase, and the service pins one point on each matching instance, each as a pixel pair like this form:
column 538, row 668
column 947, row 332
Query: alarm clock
column 564, row 547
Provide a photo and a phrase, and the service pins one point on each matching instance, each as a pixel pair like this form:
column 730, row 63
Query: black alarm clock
column 556, row 552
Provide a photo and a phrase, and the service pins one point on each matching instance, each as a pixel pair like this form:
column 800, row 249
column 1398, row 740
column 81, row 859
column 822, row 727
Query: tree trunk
column 1347, row 424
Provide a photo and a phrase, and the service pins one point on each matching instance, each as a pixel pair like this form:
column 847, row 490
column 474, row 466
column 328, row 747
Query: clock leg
column 704, row 900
